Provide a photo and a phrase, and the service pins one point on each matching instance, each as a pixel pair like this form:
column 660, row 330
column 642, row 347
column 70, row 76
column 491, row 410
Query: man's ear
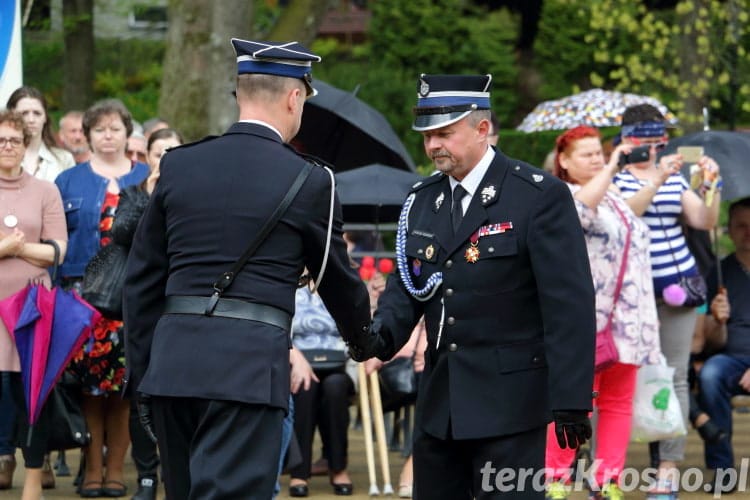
column 483, row 128
column 293, row 97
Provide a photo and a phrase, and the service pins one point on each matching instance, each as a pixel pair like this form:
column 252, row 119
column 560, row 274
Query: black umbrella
column 347, row 132
column 373, row 194
column 731, row 150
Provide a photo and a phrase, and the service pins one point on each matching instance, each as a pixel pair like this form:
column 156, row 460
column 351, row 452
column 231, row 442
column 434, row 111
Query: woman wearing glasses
column 30, row 211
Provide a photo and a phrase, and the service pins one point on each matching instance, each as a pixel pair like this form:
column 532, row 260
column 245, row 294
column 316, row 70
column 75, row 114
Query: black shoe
column 298, row 490
column 146, row 489
column 342, row 489
column 119, row 489
column 710, row 432
column 727, row 483
column 92, row 489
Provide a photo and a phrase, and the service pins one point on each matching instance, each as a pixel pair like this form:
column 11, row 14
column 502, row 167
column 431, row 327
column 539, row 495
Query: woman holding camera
column 660, row 195
column 617, row 244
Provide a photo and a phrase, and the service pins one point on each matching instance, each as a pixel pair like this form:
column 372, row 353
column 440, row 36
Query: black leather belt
column 229, row 308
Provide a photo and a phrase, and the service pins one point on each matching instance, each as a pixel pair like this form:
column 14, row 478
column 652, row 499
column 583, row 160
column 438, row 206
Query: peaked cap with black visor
column 446, row 99
column 289, row 59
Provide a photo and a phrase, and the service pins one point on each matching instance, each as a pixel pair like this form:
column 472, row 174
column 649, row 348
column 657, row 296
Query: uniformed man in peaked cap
column 491, row 252
column 207, row 337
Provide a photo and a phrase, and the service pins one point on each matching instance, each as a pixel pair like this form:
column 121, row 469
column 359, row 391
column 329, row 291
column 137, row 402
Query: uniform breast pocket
column 422, row 255
column 72, row 207
column 496, row 266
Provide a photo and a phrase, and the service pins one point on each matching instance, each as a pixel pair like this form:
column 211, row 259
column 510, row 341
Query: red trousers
column 616, row 386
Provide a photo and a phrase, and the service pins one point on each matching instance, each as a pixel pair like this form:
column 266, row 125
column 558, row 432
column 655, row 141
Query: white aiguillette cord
column 327, row 250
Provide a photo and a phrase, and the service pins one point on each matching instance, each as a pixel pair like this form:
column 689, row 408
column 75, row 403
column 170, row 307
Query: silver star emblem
column 439, row 201
column 537, row 177
column 488, row 194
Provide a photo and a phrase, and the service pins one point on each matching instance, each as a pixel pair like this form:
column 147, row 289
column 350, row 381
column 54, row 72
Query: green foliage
column 621, row 45
column 409, row 38
column 561, row 54
column 127, row 69
column 42, row 68
column 645, row 51
column 447, row 36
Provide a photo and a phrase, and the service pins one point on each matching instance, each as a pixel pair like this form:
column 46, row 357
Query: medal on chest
column 416, row 267
column 472, row 253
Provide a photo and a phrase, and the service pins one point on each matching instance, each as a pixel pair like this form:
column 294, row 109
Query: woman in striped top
column 657, row 192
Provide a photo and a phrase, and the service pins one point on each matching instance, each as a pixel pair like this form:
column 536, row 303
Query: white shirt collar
column 264, row 124
column 471, row 182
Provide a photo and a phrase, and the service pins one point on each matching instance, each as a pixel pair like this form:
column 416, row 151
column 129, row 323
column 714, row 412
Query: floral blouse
column 635, row 325
column 312, row 325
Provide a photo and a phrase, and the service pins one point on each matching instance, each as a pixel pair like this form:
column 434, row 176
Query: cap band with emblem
column 446, row 99
column 289, row 59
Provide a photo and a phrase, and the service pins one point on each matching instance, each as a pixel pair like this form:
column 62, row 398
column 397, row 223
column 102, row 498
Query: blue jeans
column 286, row 437
column 7, row 416
column 719, row 381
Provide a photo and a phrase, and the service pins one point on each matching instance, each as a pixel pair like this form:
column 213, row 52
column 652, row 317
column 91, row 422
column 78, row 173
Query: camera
column 636, row 155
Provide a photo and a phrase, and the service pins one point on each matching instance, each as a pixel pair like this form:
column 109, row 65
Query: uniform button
column 420, row 251
column 536, row 359
column 449, row 292
column 448, row 264
column 491, row 249
column 453, row 348
column 451, row 320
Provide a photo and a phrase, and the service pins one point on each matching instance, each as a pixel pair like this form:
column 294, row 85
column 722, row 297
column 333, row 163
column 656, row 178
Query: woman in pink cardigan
column 30, row 211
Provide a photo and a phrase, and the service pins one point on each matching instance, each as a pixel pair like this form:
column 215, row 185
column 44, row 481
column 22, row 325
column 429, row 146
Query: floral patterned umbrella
column 595, row 107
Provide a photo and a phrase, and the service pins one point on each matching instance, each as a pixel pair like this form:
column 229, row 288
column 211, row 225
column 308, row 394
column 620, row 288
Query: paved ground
column 319, row 488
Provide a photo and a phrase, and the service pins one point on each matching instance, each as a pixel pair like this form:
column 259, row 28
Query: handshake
column 373, row 341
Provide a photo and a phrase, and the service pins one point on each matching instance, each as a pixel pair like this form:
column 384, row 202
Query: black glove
column 143, row 404
column 572, row 427
column 371, row 343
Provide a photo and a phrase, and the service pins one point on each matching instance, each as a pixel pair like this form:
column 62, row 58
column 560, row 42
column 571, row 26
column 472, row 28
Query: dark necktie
column 457, row 211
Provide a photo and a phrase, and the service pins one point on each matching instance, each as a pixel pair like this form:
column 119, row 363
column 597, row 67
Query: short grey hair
column 253, row 84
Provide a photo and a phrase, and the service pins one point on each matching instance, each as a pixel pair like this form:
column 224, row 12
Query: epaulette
column 429, row 181
column 318, row 162
column 533, row 175
column 189, row 144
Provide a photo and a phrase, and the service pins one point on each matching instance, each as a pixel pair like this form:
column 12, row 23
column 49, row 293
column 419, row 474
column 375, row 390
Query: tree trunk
column 299, row 21
column 231, row 20
column 199, row 64
column 692, row 68
column 78, row 58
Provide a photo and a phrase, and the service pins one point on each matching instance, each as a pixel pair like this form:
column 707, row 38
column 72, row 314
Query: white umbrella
column 595, row 108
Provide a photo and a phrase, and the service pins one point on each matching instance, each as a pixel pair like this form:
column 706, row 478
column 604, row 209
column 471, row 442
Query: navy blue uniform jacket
column 212, row 198
column 518, row 331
